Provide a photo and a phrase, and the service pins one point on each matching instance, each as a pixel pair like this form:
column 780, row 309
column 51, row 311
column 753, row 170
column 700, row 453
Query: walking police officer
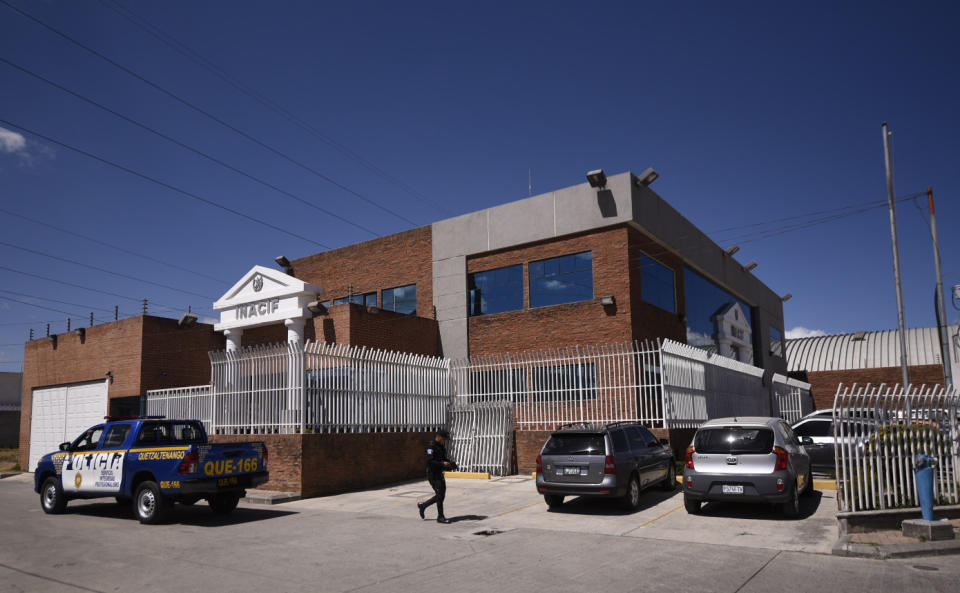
column 437, row 463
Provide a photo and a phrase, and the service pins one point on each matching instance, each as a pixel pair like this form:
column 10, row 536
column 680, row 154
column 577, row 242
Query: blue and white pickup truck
column 153, row 462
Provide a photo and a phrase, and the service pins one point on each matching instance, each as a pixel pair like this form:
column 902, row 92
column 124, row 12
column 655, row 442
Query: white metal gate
column 482, row 436
column 61, row 413
column 879, row 430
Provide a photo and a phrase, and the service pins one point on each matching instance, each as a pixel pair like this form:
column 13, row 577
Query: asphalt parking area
column 512, row 503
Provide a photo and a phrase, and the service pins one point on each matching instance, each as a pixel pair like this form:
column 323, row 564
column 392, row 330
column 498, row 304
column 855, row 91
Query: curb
column 467, row 475
column 265, row 497
column 824, row 484
column 9, row 474
column 844, row 547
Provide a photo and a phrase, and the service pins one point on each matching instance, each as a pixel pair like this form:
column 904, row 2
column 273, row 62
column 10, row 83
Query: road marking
column 533, row 504
column 662, row 516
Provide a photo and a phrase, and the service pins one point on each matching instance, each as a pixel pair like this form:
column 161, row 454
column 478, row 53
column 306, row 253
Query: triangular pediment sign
column 262, row 283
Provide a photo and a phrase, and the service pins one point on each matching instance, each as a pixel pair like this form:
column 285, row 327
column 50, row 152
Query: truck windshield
column 575, row 444
column 734, row 439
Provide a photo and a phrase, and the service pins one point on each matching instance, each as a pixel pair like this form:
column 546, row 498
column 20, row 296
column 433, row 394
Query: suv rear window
column 734, row 439
column 575, row 444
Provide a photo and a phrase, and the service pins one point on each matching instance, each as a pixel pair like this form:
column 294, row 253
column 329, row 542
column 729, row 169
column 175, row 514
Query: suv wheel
column 51, row 497
column 670, row 483
column 691, row 505
column 554, row 501
column 791, row 508
column 632, row 500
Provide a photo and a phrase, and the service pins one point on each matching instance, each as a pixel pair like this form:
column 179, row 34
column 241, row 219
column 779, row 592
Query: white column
column 294, row 330
column 233, row 338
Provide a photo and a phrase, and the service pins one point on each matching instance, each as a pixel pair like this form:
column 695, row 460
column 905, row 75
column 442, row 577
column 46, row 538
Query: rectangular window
column 734, row 440
column 115, row 436
column 657, row 284
column 495, row 291
column 402, row 299
column 564, row 279
column 368, row 298
column 776, row 342
column 500, row 383
column 568, row 382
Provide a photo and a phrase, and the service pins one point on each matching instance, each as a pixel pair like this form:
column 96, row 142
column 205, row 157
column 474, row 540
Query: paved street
column 503, row 538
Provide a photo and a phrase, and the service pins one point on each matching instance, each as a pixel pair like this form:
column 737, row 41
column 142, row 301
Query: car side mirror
column 806, row 441
column 664, row 442
column 65, row 446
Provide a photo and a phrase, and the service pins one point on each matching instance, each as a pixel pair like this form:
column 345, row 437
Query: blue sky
column 414, row 112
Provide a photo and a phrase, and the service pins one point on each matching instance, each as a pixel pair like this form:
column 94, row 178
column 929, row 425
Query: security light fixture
column 284, row 263
column 316, row 308
column 786, row 297
column 597, row 178
column 608, row 301
column 647, row 177
column 187, row 320
column 53, row 339
column 80, row 332
column 750, row 266
column 732, row 249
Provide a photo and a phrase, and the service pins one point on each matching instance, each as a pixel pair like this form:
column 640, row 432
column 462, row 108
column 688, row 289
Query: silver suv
column 748, row 459
column 614, row 461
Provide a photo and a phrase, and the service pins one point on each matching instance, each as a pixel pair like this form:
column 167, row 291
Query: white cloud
column 11, row 142
column 209, row 320
column 802, row 332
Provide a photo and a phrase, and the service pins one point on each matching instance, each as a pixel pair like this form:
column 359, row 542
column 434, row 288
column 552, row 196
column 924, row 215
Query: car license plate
column 732, row 489
column 571, row 471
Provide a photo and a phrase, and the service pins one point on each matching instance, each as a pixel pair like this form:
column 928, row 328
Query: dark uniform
column 436, row 456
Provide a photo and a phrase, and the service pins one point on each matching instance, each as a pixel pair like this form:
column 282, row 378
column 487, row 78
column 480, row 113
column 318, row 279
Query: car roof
column 591, row 428
column 741, row 421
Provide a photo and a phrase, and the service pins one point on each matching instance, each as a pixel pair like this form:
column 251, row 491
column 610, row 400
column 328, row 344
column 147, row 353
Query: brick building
column 594, row 263
column 826, row 362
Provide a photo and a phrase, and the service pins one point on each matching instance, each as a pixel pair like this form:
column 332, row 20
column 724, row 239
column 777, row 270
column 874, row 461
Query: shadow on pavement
column 459, row 518
column 761, row 511
column 198, row 516
column 589, row 505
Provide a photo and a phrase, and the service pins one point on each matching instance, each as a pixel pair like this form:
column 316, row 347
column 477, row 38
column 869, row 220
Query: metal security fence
column 603, row 383
column 316, row 387
column 791, row 398
column 482, row 436
column 879, row 430
column 181, row 402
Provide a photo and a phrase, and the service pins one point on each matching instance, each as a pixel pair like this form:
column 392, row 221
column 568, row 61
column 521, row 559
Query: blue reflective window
column 714, row 322
column 369, row 299
column 565, row 279
column 566, row 382
column 657, row 284
column 776, row 342
column 495, row 291
column 402, row 299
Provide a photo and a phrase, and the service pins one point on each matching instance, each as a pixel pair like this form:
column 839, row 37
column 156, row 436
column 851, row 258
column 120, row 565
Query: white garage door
column 62, row 413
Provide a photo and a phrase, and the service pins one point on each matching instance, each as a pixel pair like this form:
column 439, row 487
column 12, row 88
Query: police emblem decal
column 77, row 480
column 257, row 283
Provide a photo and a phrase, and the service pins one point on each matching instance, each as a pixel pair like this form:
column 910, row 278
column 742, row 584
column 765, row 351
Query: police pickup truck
column 152, row 462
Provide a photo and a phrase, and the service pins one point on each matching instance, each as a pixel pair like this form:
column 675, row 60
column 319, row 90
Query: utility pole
column 941, row 307
column 896, row 255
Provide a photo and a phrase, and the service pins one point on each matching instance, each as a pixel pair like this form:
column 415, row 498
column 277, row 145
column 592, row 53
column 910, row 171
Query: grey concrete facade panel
column 462, row 235
column 453, row 338
column 581, row 207
column 522, row 222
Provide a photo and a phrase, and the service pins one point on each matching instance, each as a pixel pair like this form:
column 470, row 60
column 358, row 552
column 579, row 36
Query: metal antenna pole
column 941, row 311
column 896, row 255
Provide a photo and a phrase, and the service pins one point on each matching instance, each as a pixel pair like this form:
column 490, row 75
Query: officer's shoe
column 420, row 508
column 442, row 519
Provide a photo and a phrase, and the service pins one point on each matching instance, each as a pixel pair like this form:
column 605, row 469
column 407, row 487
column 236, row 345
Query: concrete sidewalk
column 891, row 543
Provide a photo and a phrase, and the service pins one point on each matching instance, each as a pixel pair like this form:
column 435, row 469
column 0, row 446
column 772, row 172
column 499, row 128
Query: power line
column 194, row 56
column 187, row 147
column 162, row 183
column 72, row 315
column 33, row 296
column 207, row 114
column 116, row 247
column 106, row 292
column 104, row 270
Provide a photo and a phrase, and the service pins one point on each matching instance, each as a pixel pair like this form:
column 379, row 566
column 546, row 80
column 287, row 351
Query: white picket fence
column 879, row 430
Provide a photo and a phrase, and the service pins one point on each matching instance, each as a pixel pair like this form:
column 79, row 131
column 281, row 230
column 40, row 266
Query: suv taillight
column 190, row 462
column 539, row 464
column 609, row 465
column 689, row 457
column 781, row 459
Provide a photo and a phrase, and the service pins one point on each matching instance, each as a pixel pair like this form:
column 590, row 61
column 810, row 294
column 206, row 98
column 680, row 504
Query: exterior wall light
column 732, row 249
column 187, row 320
column 786, row 297
column 53, row 339
column 80, row 332
column 647, row 177
column 750, row 266
column 316, row 308
column 284, row 263
column 608, row 301
column 597, row 178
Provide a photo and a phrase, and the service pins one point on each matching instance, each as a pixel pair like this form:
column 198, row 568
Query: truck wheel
column 52, row 499
column 222, row 504
column 148, row 504
column 554, row 501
